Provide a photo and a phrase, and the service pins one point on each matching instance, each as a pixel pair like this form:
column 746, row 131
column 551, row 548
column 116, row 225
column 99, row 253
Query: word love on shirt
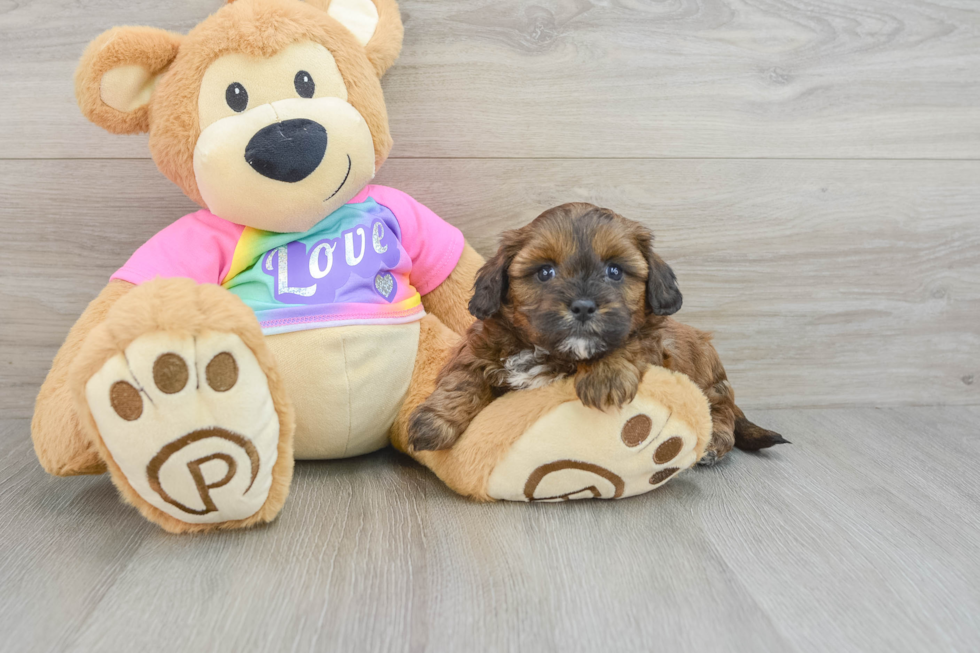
column 314, row 273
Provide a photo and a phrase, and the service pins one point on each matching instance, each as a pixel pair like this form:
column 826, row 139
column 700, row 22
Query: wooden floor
column 812, row 171
column 864, row 535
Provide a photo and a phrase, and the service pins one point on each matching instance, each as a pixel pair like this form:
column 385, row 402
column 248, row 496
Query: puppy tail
column 752, row 437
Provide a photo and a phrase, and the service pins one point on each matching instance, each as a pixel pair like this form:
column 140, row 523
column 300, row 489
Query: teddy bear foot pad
column 652, row 446
column 190, row 423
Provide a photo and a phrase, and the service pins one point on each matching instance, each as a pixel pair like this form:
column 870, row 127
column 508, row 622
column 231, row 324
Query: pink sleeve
column 199, row 246
column 433, row 244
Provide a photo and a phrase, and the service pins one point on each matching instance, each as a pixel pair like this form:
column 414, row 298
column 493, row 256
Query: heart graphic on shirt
column 384, row 283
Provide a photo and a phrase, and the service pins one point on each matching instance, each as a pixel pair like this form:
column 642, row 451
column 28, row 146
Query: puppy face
column 576, row 281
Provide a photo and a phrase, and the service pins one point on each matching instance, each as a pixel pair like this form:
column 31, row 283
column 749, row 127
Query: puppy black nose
column 287, row 151
column 583, row 309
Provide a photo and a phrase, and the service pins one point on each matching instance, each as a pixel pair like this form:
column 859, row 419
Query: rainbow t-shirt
column 368, row 262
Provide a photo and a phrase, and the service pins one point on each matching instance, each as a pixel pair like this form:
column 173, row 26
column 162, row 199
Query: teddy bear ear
column 376, row 24
column 117, row 74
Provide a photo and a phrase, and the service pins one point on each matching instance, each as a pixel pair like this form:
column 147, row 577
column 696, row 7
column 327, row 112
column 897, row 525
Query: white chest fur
column 528, row 369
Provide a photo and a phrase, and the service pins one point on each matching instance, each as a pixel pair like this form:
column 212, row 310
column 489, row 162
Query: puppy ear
column 117, row 74
column 490, row 287
column 663, row 295
column 492, row 282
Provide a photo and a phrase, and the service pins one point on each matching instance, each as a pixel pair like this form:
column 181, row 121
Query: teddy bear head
column 269, row 113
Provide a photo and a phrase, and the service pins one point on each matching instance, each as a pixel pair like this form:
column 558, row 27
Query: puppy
column 579, row 292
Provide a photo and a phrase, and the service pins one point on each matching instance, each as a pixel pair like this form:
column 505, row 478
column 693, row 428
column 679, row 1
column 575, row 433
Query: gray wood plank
column 584, row 78
column 340, row 570
column 642, row 576
column 826, row 283
column 862, row 535
column 862, row 513
column 62, row 546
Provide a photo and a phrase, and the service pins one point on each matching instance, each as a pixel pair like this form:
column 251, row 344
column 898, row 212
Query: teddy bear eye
column 237, row 97
column 304, row 84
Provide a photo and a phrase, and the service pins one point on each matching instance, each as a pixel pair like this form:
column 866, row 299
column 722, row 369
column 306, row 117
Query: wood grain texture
column 826, row 283
column 589, row 78
column 862, row 535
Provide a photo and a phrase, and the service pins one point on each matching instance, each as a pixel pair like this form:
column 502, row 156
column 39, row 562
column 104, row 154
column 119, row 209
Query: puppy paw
column 427, row 431
column 603, row 390
column 709, row 459
column 190, row 424
column 718, row 447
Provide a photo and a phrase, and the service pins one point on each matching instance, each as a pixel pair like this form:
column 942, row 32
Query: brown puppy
column 578, row 292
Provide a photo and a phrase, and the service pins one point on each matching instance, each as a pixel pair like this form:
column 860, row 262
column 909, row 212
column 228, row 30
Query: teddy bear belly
column 347, row 385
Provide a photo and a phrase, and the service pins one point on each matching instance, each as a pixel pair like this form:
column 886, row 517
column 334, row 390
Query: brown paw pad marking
column 194, row 467
column 636, row 430
column 538, row 475
column 668, row 450
column 222, row 372
column 126, row 400
column 663, row 475
column 170, row 373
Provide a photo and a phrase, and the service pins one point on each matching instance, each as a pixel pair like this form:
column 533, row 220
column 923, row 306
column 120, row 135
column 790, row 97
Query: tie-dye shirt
column 368, row 262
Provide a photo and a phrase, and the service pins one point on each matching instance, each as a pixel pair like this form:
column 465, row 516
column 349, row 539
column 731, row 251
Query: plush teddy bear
column 303, row 312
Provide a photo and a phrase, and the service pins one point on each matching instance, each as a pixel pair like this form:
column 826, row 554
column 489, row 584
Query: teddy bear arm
column 449, row 301
column 61, row 445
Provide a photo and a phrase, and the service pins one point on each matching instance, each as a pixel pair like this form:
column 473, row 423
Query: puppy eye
column 304, row 84
column 237, row 97
column 546, row 272
column 614, row 272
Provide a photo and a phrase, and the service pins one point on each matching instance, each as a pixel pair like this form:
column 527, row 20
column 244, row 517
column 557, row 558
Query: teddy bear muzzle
column 285, row 165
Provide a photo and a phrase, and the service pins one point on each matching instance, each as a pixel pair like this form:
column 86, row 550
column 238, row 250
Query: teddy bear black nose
column 287, row 151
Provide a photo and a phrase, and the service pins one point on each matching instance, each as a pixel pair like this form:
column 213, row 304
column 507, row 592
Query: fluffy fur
column 448, row 300
column 577, row 293
column 150, row 48
column 61, row 446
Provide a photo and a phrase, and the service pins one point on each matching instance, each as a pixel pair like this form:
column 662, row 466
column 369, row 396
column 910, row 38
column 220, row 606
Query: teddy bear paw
column 190, row 423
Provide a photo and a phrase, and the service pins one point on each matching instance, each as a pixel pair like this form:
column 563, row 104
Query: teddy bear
column 303, row 312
